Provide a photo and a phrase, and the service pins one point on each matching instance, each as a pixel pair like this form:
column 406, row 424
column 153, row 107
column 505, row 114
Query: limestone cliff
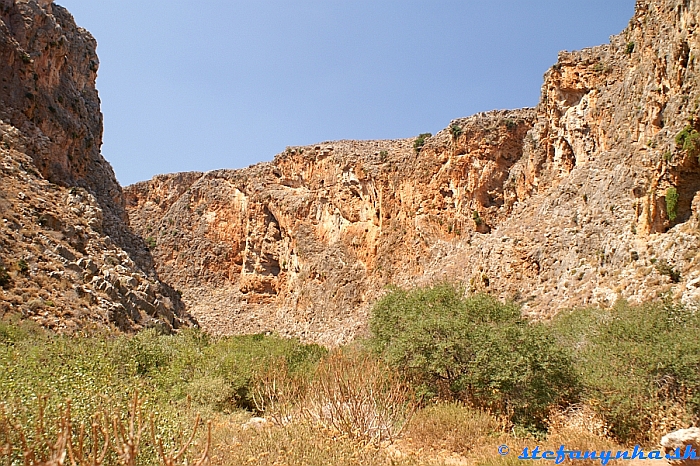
column 67, row 256
column 559, row 206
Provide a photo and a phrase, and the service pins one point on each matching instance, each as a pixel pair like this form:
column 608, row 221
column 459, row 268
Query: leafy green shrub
column 629, row 48
column 599, row 67
column 475, row 348
column 151, row 242
column 145, row 353
column 420, row 141
column 237, row 360
column 216, row 374
column 456, row 131
column 672, row 203
column 689, row 140
column 16, row 332
column 636, row 364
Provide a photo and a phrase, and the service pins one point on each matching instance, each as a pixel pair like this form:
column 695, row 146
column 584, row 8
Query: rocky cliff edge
column 68, row 258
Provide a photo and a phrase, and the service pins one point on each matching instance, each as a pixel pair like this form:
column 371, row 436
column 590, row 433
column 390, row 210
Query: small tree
column 476, row 349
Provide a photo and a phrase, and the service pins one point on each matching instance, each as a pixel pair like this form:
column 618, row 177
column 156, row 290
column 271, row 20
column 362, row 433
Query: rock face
column 589, row 198
column 677, row 443
column 302, row 244
column 67, row 256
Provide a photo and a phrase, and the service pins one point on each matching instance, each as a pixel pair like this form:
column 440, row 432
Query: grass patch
column 451, row 426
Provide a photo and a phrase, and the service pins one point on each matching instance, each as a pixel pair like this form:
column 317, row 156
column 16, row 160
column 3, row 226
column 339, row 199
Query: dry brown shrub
column 278, row 393
column 298, row 443
column 578, row 418
column 675, row 412
column 357, row 395
column 107, row 434
column 351, row 393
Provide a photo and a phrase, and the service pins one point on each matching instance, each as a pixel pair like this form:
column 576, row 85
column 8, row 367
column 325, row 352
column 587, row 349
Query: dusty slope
column 563, row 205
column 68, row 258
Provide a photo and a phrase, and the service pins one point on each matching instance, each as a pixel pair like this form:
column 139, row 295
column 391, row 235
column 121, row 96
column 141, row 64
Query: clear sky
column 206, row 84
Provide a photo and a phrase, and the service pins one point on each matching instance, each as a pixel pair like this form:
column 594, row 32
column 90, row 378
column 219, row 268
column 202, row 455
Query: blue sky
column 200, row 85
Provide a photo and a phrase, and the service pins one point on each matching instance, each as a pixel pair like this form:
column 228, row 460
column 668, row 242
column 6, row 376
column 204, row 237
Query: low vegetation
column 689, row 141
column 639, row 366
column 474, row 349
column 672, row 203
column 440, row 374
column 420, row 141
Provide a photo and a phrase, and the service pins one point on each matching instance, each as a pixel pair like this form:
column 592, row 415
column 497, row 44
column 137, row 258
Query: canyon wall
column 68, row 258
column 555, row 207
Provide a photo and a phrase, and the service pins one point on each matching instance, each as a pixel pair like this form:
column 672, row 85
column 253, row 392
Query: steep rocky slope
column 302, row 244
column 569, row 204
column 67, row 256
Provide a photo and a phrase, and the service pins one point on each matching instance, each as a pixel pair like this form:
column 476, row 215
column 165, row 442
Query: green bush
column 636, row 362
column 456, row 131
column 420, row 141
column 629, row 48
column 476, row 349
column 672, row 203
column 689, row 140
column 237, row 360
column 12, row 333
column 145, row 353
column 102, row 372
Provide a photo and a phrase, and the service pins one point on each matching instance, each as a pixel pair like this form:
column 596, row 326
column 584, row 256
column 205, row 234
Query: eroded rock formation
column 67, row 256
column 559, row 206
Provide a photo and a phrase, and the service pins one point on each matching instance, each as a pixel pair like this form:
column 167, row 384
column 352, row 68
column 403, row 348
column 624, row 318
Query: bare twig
column 127, row 441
